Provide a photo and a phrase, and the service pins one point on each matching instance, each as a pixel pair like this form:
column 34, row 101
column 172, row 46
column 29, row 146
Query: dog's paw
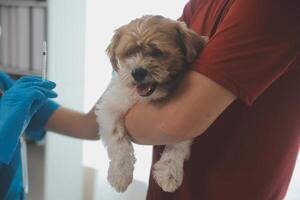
column 168, row 174
column 120, row 176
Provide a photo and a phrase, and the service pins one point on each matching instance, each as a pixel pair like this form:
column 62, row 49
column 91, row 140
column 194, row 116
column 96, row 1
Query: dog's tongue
column 144, row 89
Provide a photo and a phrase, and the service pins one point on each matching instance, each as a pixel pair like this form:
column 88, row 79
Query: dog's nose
column 139, row 74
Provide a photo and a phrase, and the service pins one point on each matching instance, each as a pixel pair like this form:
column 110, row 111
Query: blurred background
column 77, row 33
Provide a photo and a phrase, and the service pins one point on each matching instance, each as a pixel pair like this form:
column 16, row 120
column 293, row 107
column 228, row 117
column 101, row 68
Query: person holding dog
column 240, row 102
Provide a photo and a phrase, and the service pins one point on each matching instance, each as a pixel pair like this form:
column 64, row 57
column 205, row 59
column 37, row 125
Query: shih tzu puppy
column 149, row 55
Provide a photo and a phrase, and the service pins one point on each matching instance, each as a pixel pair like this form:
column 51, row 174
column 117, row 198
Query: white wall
column 66, row 41
column 294, row 188
column 103, row 17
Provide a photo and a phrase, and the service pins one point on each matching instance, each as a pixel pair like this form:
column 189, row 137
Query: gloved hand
column 5, row 81
column 17, row 106
column 36, row 128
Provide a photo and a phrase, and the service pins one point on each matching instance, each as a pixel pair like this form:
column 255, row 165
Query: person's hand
column 17, row 106
column 25, row 97
column 5, row 81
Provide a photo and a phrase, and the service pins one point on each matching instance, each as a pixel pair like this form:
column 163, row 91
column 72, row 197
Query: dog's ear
column 189, row 42
column 111, row 49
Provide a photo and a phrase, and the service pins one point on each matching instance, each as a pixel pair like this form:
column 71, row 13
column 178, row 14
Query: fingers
column 49, row 84
column 4, row 76
column 37, row 92
column 24, row 79
column 36, row 88
column 33, row 88
column 45, row 84
column 6, row 81
column 36, row 80
column 36, row 97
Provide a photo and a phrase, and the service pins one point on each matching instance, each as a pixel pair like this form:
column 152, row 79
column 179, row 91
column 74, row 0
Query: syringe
column 44, row 75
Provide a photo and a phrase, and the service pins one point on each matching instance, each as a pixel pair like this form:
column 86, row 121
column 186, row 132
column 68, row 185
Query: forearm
column 148, row 125
column 194, row 106
column 75, row 124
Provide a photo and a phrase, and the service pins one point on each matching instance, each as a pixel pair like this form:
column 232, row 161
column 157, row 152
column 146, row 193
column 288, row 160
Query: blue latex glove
column 17, row 106
column 36, row 128
column 5, row 81
column 11, row 178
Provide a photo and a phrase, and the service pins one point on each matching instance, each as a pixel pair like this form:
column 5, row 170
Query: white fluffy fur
column 133, row 47
column 110, row 111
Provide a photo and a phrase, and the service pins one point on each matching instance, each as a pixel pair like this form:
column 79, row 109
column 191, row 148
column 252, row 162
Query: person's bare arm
column 187, row 114
column 75, row 124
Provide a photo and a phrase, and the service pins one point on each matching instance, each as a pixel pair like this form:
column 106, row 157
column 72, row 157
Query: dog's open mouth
column 145, row 89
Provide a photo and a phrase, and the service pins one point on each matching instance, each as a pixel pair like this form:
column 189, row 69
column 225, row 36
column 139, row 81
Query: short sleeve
column 256, row 42
column 36, row 128
column 189, row 10
column 187, row 13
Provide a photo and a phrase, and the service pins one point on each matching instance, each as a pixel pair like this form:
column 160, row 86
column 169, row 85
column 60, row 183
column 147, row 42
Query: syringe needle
column 44, row 75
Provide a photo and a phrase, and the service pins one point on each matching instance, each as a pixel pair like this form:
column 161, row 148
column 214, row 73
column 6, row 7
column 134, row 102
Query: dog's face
column 150, row 53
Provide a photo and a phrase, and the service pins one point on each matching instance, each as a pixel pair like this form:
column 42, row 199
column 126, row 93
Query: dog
column 149, row 56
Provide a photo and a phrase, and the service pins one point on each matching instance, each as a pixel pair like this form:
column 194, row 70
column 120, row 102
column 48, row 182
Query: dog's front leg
column 119, row 148
column 168, row 171
column 110, row 112
column 121, row 154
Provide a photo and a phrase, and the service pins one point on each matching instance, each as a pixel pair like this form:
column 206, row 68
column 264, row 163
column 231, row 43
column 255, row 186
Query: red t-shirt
column 249, row 152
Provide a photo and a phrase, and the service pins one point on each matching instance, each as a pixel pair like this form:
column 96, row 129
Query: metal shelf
column 23, row 3
column 18, row 72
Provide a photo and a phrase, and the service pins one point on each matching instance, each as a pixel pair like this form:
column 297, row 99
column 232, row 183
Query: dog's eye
column 156, row 52
column 129, row 52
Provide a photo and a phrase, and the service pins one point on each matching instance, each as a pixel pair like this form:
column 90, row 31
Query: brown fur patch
column 166, row 48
